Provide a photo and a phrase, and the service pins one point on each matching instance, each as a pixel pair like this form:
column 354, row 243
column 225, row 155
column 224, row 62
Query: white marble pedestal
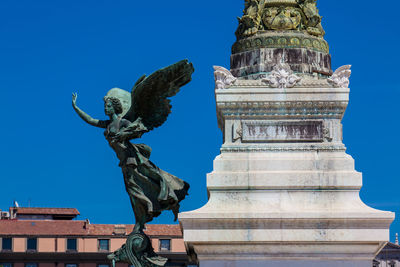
column 280, row 263
column 283, row 191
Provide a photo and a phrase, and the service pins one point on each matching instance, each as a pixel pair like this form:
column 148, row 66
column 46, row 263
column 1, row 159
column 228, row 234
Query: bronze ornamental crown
column 280, row 15
column 280, row 2
column 271, row 29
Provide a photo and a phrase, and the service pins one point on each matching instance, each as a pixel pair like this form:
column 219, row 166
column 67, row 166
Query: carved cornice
column 282, row 77
column 281, row 110
column 320, row 105
column 281, row 40
column 307, row 81
column 283, row 148
column 223, row 78
column 341, row 77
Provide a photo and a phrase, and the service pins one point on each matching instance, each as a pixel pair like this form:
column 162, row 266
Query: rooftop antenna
column 397, row 239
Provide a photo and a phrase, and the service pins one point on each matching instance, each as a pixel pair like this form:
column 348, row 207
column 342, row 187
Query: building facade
column 50, row 237
column 389, row 256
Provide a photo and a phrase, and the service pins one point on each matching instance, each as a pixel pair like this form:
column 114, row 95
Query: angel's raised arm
column 86, row 117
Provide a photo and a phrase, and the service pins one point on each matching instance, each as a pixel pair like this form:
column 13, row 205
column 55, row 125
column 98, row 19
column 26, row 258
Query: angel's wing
column 150, row 94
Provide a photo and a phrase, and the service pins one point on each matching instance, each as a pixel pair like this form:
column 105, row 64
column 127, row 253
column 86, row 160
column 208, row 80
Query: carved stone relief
column 282, row 131
column 282, row 77
column 237, row 132
column 341, row 76
column 223, row 78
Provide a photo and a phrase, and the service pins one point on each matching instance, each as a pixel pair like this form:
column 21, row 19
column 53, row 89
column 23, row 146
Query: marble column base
column 283, row 191
column 283, row 263
column 298, row 207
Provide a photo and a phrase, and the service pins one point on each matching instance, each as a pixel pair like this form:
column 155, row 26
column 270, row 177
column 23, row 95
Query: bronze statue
column 151, row 190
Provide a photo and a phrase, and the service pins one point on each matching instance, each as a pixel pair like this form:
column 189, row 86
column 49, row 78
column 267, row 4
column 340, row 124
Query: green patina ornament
column 280, row 15
column 150, row 189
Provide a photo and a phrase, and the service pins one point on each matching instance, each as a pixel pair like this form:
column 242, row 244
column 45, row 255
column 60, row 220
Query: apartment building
column 389, row 256
column 50, row 237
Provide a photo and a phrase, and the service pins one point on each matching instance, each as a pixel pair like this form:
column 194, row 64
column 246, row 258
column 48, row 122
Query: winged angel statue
column 150, row 189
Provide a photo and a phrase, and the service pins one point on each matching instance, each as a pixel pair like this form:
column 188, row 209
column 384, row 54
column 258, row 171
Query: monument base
column 283, row 191
column 283, row 263
column 287, row 209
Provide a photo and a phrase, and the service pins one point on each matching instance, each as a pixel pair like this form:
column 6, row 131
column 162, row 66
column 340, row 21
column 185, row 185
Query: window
column 165, row 244
column 6, row 244
column 6, row 264
column 71, row 265
column 103, row 265
column 31, row 265
column 392, row 264
column 104, row 245
column 31, row 245
column 71, row 245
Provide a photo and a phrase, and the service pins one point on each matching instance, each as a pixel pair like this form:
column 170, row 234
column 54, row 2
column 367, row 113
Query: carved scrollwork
column 282, row 77
column 223, row 78
column 313, row 19
column 341, row 77
column 250, row 23
column 327, row 135
column 237, row 132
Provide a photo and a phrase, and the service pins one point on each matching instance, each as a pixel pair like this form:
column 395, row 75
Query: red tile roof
column 77, row 228
column 42, row 228
column 151, row 229
column 48, row 211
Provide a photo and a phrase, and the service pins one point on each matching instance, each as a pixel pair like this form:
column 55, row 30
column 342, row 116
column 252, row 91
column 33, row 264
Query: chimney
column 86, row 224
column 13, row 212
column 119, row 229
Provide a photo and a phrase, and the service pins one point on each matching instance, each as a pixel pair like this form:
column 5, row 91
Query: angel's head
column 112, row 105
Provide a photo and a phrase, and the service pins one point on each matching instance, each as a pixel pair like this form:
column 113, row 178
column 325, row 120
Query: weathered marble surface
column 282, row 76
column 296, row 263
column 263, row 60
column 283, row 191
column 276, row 196
column 223, row 78
column 341, row 76
column 282, row 131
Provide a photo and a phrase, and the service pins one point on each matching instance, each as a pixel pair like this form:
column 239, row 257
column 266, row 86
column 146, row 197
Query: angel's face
column 108, row 108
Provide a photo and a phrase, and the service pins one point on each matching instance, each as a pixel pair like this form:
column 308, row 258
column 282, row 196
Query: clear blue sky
column 50, row 49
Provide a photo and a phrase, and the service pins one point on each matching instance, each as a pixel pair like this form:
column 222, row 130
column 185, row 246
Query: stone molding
column 317, row 109
column 223, row 78
column 307, row 81
column 255, row 131
column 282, row 77
column 292, row 223
column 341, row 77
column 285, row 148
column 281, row 40
column 262, row 60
